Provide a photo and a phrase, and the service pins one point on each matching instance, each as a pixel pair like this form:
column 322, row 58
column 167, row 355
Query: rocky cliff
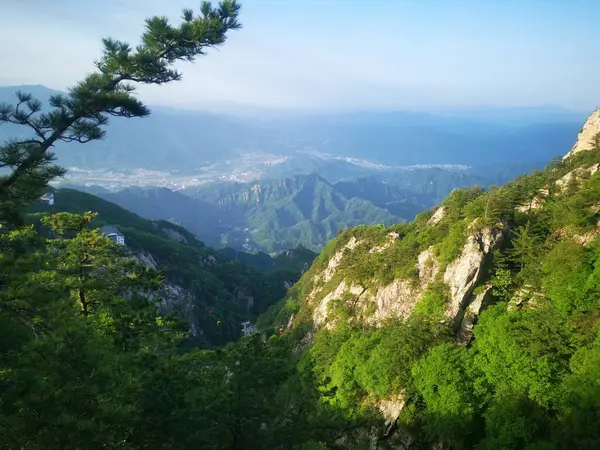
column 585, row 138
column 479, row 248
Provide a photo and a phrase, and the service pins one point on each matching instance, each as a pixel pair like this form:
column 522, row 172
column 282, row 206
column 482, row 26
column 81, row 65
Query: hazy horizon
column 333, row 56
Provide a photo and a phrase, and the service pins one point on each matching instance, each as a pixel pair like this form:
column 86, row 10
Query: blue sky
column 334, row 54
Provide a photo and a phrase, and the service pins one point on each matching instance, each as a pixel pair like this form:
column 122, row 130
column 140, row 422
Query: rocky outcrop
column 526, row 294
column 337, row 258
column 587, row 237
column 576, row 175
column 585, row 136
column 391, row 238
column 427, row 265
column 398, row 299
column 536, row 202
column 174, row 235
column 321, row 311
column 147, row 260
column 394, row 301
column 480, row 302
column 173, row 298
column 464, row 272
column 390, row 407
column 438, row 215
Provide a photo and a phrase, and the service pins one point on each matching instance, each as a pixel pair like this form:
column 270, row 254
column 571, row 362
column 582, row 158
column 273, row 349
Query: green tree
column 78, row 322
column 109, row 91
column 442, row 378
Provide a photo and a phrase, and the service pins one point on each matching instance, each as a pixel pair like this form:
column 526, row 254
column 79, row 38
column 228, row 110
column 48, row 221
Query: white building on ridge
column 113, row 233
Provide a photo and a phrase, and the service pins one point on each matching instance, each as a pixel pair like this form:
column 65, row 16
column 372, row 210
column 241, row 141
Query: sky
column 332, row 54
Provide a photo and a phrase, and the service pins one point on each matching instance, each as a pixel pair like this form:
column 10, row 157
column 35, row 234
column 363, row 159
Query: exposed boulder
column 536, row 202
column 427, row 265
column 176, row 299
column 398, row 299
column 438, row 215
column 576, row 175
column 464, row 272
column 147, row 260
column 393, row 301
column 320, row 312
column 584, row 138
column 390, row 408
column 391, row 238
column 526, row 294
column 479, row 303
column 337, row 258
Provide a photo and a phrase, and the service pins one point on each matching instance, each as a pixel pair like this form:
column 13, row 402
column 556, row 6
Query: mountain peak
column 589, row 130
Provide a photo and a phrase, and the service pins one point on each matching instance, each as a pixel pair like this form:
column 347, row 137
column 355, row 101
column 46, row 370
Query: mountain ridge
column 165, row 139
column 198, row 278
column 431, row 322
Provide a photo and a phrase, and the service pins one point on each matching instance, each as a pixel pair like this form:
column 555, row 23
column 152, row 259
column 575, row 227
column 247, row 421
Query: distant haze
column 333, row 55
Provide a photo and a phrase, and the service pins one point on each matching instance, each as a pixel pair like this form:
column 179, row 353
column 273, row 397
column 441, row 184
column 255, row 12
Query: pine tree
column 78, row 326
column 81, row 115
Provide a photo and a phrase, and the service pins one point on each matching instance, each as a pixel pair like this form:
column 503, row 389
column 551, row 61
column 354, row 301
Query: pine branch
column 80, row 115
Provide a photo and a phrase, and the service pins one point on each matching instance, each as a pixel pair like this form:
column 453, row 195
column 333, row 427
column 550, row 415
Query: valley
column 320, row 174
column 344, row 251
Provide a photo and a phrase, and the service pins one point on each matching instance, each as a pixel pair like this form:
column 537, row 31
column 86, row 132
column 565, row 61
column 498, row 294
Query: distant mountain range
column 188, row 141
column 273, row 184
column 308, row 209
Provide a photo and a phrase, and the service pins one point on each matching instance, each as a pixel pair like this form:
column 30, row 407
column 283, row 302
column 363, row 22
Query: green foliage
column 87, row 361
column 525, row 352
column 80, row 115
column 355, row 363
column 433, row 301
column 443, row 380
column 453, row 243
column 502, row 283
column 304, row 210
column 214, row 281
column 529, row 378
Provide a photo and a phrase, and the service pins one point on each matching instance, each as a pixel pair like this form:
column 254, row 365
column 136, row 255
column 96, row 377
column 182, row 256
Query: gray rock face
column 147, row 260
column 439, row 214
column 398, row 299
column 584, row 138
column 337, row 258
column 175, row 235
column 394, row 301
column 171, row 297
column 465, row 271
column 427, row 265
column 479, row 303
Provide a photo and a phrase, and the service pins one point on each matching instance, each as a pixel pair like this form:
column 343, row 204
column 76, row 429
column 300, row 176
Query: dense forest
column 87, row 362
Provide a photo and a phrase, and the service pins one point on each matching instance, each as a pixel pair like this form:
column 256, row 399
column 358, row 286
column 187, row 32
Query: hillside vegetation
column 202, row 279
column 476, row 325
column 308, row 209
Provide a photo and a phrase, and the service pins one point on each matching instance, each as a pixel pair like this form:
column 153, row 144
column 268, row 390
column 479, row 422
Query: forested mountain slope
column 304, row 209
column 274, row 214
column 198, row 278
column 476, row 325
